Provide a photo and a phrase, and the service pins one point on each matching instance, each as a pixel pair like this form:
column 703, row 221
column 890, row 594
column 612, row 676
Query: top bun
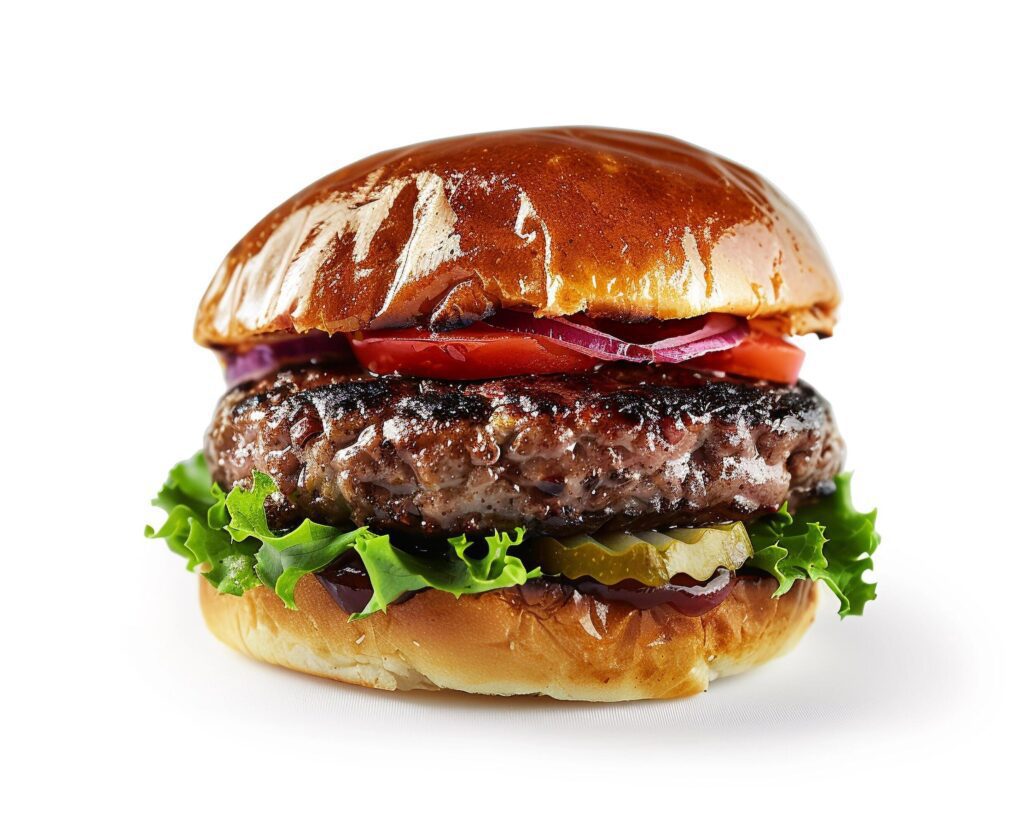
column 615, row 224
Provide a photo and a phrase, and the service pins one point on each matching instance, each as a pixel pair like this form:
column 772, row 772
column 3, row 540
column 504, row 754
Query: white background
column 138, row 145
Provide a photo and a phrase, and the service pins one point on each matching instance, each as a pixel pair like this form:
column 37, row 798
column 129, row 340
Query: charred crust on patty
column 332, row 400
column 441, row 407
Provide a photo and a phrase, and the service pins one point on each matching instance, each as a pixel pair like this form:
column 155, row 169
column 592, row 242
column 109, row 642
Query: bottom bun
column 543, row 638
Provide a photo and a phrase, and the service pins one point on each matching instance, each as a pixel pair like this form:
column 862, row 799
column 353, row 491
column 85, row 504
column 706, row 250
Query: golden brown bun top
column 616, row 224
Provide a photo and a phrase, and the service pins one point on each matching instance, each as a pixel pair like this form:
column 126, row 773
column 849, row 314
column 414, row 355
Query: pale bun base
column 539, row 639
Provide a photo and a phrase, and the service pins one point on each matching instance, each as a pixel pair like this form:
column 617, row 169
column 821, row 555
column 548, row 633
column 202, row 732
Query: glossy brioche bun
column 538, row 639
column 617, row 224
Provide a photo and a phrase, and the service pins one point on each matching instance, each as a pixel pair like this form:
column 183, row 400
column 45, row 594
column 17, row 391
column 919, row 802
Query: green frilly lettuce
column 828, row 541
column 225, row 536
column 195, row 528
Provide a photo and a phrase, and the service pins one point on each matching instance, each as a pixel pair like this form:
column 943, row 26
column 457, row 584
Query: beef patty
column 628, row 446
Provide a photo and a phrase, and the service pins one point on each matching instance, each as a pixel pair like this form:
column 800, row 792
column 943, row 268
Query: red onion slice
column 718, row 581
column 711, row 334
column 690, row 598
column 263, row 359
column 719, row 333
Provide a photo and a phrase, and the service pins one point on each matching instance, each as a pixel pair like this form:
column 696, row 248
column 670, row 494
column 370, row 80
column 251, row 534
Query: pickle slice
column 651, row 557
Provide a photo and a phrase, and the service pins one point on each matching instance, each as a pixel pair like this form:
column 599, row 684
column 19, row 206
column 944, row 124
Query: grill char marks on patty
column 625, row 447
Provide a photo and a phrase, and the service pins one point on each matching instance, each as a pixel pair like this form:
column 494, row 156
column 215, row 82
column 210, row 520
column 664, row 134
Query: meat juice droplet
column 681, row 594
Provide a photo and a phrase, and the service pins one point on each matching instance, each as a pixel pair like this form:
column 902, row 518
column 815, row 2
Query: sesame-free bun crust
column 617, row 224
column 538, row 639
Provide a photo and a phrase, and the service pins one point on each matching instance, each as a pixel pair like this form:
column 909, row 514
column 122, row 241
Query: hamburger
column 520, row 413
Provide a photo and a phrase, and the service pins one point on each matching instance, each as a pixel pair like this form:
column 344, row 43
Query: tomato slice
column 759, row 355
column 464, row 355
column 477, row 353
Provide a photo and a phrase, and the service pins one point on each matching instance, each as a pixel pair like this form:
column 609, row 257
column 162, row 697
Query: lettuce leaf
column 226, row 537
column 828, row 540
column 394, row 572
column 282, row 560
column 196, row 516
